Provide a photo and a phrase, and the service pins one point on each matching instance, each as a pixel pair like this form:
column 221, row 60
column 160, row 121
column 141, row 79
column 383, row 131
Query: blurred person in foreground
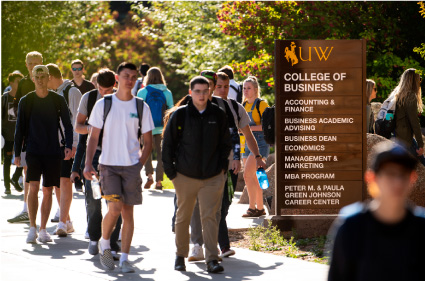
column 382, row 239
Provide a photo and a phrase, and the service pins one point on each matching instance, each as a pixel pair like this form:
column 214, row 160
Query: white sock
column 105, row 244
column 123, row 258
column 25, row 207
column 58, row 212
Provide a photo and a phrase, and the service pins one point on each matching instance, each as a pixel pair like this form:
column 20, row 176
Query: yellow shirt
column 255, row 115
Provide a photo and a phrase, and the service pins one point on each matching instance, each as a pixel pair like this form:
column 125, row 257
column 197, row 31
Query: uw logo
column 291, row 56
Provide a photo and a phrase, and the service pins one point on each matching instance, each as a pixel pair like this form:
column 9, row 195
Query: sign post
column 320, row 128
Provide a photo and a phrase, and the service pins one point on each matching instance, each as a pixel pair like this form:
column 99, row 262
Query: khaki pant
column 159, row 167
column 209, row 193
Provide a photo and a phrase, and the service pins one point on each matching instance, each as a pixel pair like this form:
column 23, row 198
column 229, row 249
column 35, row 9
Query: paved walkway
column 152, row 249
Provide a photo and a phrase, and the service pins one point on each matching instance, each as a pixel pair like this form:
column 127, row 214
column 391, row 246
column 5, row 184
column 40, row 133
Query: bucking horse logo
column 290, row 54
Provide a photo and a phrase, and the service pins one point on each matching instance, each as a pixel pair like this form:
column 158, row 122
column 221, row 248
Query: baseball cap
column 40, row 69
column 391, row 152
column 210, row 75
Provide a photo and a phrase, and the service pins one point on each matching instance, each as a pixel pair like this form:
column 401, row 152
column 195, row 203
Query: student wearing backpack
column 143, row 69
column 255, row 107
column 195, row 153
column 105, row 82
column 159, row 99
column 72, row 97
column 123, row 119
column 235, row 90
column 370, row 95
column 8, row 124
column 25, row 86
column 42, row 111
column 408, row 97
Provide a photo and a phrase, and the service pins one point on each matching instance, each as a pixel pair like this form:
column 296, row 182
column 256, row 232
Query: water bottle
column 95, row 187
column 262, row 178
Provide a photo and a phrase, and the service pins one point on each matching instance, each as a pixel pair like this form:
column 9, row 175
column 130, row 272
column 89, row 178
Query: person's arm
column 169, row 99
column 169, row 146
column 147, row 147
column 19, row 130
column 69, row 131
column 79, row 155
column 80, row 124
column 225, row 144
column 412, row 115
column 74, row 102
column 89, row 170
column 252, row 145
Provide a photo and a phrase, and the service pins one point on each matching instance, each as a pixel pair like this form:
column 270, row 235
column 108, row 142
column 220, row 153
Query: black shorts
column 47, row 166
column 66, row 167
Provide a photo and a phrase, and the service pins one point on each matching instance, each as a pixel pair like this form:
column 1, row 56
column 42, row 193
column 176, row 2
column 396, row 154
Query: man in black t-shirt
column 77, row 68
column 42, row 111
column 382, row 239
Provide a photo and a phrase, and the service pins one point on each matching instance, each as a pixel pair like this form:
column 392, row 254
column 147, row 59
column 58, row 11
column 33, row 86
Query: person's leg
column 223, row 233
column 127, row 228
column 196, row 226
column 65, row 199
column 110, row 219
column 173, row 219
column 6, row 168
column 17, row 174
column 46, row 206
column 210, row 197
column 252, row 184
column 159, row 166
column 115, row 235
column 186, row 190
column 94, row 213
column 33, row 201
column 26, row 189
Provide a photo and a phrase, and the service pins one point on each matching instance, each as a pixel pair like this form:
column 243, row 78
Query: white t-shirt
column 120, row 145
column 232, row 93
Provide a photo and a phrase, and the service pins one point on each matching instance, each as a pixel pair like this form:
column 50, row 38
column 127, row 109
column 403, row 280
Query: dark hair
column 228, row 70
column 223, row 76
column 128, row 65
column 13, row 76
column 106, row 78
column 54, row 70
column 77, row 62
column 143, row 69
column 199, row 80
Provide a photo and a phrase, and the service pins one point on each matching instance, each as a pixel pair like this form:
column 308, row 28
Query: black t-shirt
column 367, row 249
column 8, row 117
column 84, row 87
column 25, row 86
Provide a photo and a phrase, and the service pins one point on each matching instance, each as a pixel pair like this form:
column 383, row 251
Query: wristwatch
column 258, row 156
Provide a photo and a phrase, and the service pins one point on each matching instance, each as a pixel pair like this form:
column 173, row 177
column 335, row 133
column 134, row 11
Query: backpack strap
column 140, row 106
column 236, row 108
column 57, row 102
column 66, row 93
column 106, row 109
column 257, row 106
column 91, row 101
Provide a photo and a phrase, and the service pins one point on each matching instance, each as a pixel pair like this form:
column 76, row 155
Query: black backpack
column 384, row 127
column 268, row 123
column 239, row 92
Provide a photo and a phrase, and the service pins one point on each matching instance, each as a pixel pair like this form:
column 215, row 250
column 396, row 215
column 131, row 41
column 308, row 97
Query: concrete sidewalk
column 152, row 251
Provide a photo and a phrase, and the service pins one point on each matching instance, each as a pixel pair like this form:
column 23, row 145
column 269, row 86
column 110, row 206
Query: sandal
column 158, row 187
column 148, row 183
column 250, row 213
column 260, row 213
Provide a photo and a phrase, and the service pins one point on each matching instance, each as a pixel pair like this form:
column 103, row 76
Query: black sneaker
column 16, row 185
column 179, row 264
column 7, row 191
column 214, row 267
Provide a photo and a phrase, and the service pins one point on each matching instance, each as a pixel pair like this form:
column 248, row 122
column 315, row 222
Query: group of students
column 68, row 129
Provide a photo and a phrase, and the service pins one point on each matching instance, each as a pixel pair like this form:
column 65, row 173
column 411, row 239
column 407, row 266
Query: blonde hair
column 370, row 84
column 409, row 89
column 33, row 54
column 154, row 76
column 254, row 81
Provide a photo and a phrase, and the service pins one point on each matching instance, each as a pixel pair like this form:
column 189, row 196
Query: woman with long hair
column 409, row 104
column 370, row 95
column 159, row 99
column 255, row 107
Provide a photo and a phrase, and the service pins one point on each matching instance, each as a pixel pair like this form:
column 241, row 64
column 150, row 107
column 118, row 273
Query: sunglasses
column 77, row 68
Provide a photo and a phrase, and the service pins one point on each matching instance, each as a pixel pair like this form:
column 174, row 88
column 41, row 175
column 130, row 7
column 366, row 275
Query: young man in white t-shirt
column 121, row 161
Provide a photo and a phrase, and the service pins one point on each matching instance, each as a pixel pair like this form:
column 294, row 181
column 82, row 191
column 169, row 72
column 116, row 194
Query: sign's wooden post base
column 302, row 226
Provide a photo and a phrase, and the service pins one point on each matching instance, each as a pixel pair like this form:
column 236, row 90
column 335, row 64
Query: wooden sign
column 320, row 123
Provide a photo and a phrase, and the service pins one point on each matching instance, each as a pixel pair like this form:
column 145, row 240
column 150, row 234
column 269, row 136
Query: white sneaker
column 32, row 235
column 197, row 253
column 69, row 227
column 44, row 236
column 61, row 230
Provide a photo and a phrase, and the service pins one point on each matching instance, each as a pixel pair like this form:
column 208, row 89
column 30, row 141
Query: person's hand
column 74, row 150
column 236, row 166
column 88, row 172
column 260, row 163
column 74, row 175
column 420, row 151
column 68, row 154
column 17, row 161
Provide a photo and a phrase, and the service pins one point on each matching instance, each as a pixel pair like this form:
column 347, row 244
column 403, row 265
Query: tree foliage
column 421, row 50
column 391, row 29
column 61, row 31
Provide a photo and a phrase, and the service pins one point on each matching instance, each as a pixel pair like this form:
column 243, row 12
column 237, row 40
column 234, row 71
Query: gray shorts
column 122, row 182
